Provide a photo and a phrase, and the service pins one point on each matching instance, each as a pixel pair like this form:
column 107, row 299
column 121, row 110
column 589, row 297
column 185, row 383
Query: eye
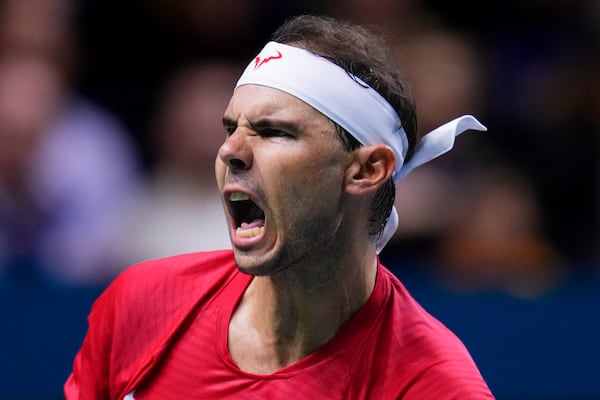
column 229, row 126
column 229, row 130
column 268, row 132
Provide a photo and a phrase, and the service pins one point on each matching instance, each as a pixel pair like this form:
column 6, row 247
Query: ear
column 371, row 167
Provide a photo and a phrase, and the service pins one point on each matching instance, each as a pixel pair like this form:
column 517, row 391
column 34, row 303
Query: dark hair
column 364, row 54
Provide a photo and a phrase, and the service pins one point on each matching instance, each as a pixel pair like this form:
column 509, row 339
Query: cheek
column 312, row 185
column 308, row 206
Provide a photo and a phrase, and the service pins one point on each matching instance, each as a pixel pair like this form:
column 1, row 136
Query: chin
column 261, row 264
column 254, row 265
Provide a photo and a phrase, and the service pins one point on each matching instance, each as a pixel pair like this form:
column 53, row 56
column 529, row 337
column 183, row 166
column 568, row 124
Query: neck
column 287, row 316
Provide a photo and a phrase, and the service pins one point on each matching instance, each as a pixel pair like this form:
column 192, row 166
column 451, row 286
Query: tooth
column 238, row 196
column 247, row 233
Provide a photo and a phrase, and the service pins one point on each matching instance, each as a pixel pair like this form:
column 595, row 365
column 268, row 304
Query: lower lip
column 246, row 242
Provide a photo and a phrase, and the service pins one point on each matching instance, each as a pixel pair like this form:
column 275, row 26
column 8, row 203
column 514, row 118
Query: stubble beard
column 307, row 256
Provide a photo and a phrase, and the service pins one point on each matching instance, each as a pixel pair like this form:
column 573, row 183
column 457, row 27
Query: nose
column 235, row 152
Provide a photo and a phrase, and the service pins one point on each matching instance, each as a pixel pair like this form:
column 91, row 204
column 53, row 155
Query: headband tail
column 388, row 231
column 432, row 145
column 438, row 142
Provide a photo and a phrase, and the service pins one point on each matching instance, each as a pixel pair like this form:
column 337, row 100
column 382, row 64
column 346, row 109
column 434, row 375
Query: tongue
column 254, row 224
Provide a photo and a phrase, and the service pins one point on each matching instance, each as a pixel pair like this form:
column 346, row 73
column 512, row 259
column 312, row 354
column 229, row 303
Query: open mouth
column 247, row 217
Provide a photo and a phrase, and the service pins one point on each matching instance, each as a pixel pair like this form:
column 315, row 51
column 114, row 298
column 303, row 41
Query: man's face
column 281, row 172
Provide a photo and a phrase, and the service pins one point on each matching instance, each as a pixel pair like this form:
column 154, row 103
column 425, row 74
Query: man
column 319, row 128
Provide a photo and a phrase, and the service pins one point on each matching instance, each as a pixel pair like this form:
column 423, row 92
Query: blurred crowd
column 110, row 121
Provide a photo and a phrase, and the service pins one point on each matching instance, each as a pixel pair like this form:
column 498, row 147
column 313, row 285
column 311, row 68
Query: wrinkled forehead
column 258, row 102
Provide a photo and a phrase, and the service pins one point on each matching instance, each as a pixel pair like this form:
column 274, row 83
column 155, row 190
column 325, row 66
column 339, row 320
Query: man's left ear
column 372, row 166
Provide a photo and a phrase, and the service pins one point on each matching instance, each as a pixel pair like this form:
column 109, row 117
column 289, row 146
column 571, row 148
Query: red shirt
column 161, row 330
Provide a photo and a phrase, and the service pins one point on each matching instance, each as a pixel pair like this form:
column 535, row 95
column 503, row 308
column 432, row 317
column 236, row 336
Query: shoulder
column 200, row 265
column 166, row 285
column 411, row 323
column 141, row 310
column 434, row 361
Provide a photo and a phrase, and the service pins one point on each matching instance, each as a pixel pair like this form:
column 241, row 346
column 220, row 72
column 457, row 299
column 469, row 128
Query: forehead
column 257, row 101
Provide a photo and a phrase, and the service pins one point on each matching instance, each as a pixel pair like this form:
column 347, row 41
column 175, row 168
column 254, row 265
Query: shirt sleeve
column 89, row 378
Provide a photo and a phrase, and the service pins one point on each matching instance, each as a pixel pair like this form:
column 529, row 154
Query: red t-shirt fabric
column 160, row 329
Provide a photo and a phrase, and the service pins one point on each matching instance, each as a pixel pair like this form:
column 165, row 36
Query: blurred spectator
column 447, row 73
column 392, row 15
column 593, row 100
column 134, row 46
column 214, row 25
column 67, row 172
column 495, row 243
column 447, row 77
column 539, row 59
column 489, row 233
column 180, row 210
column 447, row 80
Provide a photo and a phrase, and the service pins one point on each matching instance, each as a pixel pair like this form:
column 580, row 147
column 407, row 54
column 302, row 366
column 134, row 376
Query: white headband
column 352, row 104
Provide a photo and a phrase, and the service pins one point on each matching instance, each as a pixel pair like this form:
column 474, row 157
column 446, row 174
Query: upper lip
column 228, row 190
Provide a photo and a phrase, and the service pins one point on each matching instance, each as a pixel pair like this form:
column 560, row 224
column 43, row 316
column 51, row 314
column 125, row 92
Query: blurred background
column 110, row 120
